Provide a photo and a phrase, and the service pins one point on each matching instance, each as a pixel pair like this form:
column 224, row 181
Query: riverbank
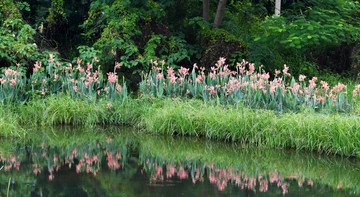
column 334, row 133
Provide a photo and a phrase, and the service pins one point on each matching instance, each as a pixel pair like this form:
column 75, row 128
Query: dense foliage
column 309, row 36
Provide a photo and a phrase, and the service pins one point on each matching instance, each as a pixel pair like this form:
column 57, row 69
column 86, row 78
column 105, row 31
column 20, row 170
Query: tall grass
column 62, row 109
column 338, row 134
column 335, row 133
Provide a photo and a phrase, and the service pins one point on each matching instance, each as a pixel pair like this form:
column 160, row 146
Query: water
column 119, row 162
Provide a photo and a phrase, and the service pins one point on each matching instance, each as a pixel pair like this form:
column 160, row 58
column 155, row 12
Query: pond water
column 120, row 162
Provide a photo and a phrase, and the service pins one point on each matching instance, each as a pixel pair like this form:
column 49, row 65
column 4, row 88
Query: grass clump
column 310, row 131
column 331, row 133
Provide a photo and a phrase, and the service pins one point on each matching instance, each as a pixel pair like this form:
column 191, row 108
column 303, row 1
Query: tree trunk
column 277, row 7
column 220, row 13
column 206, row 10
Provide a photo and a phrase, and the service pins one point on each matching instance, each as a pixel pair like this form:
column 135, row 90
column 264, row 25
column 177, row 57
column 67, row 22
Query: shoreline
column 312, row 131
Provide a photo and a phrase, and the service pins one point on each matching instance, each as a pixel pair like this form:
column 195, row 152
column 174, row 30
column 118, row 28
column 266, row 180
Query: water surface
column 120, row 162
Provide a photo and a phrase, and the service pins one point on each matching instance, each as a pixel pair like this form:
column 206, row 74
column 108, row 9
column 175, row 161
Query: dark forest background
column 313, row 37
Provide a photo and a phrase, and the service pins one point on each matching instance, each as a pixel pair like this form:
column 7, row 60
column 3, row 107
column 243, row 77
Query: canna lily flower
column 277, row 72
column 51, row 60
column 199, row 79
column 118, row 88
column 37, row 66
column 108, row 106
column 184, row 71
column 160, row 76
column 112, row 77
column 117, row 65
column 251, row 68
column 302, row 77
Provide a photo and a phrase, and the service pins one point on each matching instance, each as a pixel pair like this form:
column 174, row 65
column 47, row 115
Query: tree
column 277, row 7
column 220, row 13
column 206, row 10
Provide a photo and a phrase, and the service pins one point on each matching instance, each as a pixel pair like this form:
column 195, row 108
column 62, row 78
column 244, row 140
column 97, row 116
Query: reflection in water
column 112, row 157
column 220, row 176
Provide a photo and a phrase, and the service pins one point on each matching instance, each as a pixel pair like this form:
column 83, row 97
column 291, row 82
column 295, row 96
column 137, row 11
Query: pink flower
column 75, row 88
column 285, row 69
column 112, row 77
column 37, row 66
column 12, row 82
column 108, row 106
column 51, row 60
column 220, row 62
column 338, row 87
column 199, row 79
column 160, row 76
column 312, row 82
column 321, row 99
column 108, row 139
column 89, row 66
column 117, row 65
column 251, row 68
column 302, row 77
column 324, row 85
column 184, row 71
column 277, row 72
column 118, row 88
column 80, row 69
column 56, row 77
column 355, row 91
column 172, row 79
column 310, row 182
column 212, row 90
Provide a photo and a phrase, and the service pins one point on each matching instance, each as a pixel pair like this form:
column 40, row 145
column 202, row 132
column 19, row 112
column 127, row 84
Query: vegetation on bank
column 244, row 85
column 242, row 105
column 335, row 133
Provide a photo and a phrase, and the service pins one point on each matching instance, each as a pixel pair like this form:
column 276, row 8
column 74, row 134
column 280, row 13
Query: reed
column 336, row 133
